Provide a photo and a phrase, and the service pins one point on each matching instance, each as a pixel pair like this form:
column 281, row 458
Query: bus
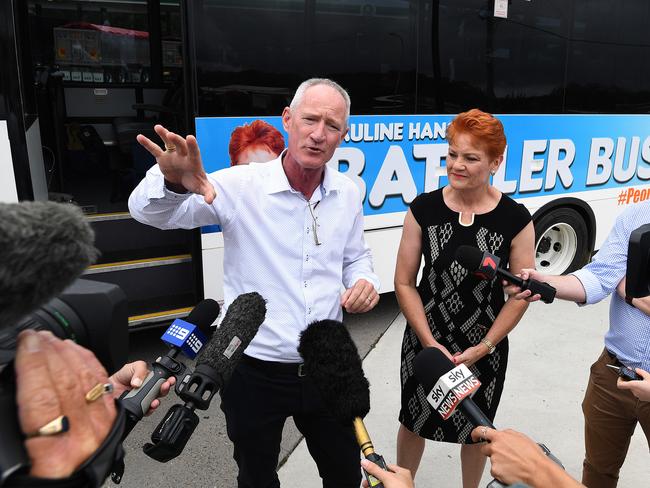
column 568, row 80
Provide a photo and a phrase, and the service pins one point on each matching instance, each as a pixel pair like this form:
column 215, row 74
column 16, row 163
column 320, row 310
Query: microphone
column 448, row 386
column 486, row 266
column 215, row 366
column 44, row 247
column 332, row 362
column 451, row 386
column 186, row 336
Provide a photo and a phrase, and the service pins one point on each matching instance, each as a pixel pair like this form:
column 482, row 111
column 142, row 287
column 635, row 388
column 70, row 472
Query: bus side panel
column 8, row 191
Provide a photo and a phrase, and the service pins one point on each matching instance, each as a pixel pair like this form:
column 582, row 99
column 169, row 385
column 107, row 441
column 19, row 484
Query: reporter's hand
column 362, row 297
column 182, row 167
column 518, row 293
column 52, row 379
column 399, row 478
column 639, row 388
column 132, row 375
column 514, row 457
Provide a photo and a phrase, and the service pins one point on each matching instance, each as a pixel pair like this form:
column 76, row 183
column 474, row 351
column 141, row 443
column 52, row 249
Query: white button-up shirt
column 269, row 244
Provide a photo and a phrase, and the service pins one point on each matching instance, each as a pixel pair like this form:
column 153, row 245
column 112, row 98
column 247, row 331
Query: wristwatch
column 491, row 347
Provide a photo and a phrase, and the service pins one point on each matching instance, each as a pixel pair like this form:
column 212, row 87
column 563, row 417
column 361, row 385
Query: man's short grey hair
column 300, row 93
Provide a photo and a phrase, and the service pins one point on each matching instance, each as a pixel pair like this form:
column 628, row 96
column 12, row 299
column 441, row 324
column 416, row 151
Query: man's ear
column 286, row 118
column 345, row 133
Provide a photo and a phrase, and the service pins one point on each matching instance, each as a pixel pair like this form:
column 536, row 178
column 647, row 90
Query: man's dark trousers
column 257, row 401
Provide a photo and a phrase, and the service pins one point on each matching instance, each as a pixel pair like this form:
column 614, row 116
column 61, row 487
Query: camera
column 637, row 280
column 94, row 315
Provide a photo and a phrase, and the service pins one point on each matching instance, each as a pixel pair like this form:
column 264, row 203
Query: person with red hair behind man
column 257, row 142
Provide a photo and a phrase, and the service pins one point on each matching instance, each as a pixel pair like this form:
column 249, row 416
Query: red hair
column 257, row 133
column 483, row 127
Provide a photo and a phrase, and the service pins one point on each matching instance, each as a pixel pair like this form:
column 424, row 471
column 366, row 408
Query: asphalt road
column 207, row 459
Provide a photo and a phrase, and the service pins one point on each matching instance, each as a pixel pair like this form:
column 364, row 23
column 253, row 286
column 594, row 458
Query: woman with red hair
column 257, row 142
column 466, row 318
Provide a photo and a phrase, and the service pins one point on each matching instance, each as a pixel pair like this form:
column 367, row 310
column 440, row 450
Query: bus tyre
column 561, row 242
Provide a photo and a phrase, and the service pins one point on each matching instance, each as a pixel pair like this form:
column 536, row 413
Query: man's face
column 316, row 127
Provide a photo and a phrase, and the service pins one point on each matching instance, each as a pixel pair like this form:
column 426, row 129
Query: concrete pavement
column 551, row 351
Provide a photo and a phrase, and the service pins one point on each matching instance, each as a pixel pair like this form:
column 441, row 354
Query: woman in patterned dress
column 468, row 319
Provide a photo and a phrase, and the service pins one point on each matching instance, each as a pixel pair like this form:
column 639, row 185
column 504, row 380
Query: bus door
column 102, row 73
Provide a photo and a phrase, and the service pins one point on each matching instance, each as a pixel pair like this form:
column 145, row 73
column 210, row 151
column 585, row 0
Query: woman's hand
column 442, row 348
column 470, row 355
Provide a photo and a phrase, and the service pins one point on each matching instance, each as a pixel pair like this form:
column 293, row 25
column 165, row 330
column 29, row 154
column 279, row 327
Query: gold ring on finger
column 59, row 425
column 170, row 147
column 97, row 391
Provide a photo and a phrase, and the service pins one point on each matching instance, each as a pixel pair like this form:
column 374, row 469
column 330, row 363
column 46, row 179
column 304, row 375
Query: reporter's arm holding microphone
column 67, row 411
column 517, row 459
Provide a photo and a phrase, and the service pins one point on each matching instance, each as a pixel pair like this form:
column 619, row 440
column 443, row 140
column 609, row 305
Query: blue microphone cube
column 187, row 337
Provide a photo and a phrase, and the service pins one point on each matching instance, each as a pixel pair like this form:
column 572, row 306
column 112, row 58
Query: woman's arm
column 409, row 257
column 521, row 256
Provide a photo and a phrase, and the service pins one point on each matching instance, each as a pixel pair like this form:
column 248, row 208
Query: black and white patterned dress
column 460, row 308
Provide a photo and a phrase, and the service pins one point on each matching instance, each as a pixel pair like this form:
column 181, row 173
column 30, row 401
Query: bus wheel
column 561, row 242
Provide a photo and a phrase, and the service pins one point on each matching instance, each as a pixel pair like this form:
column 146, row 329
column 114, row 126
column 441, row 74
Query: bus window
column 609, row 59
column 252, row 55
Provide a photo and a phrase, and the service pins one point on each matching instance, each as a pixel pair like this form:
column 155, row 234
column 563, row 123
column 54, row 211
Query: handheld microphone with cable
column 443, row 383
column 332, row 362
column 187, row 336
column 183, row 336
column 449, row 386
column 486, row 266
column 214, row 368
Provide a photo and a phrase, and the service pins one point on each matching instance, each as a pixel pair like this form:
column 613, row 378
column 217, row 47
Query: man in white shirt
column 293, row 231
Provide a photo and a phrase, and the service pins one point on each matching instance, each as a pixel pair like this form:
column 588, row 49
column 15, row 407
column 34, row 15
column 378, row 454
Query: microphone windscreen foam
column 469, row 257
column 44, row 246
column 430, row 364
column 238, row 327
column 333, row 364
column 204, row 314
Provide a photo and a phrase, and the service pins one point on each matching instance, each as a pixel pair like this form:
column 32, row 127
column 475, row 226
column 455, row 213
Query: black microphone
column 44, row 247
column 332, row 362
column 215, row 366
column 486, row 266
column 448, row 386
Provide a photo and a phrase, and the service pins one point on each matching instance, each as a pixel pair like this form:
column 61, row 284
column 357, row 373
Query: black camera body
column 637, row 279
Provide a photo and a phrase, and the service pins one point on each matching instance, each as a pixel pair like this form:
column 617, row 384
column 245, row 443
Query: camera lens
column 91, row 313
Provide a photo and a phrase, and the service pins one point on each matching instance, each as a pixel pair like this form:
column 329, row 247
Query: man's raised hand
column 180, row 162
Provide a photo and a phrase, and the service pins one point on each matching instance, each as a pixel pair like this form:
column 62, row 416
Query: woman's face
column 256, row 154
column 468, row 165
